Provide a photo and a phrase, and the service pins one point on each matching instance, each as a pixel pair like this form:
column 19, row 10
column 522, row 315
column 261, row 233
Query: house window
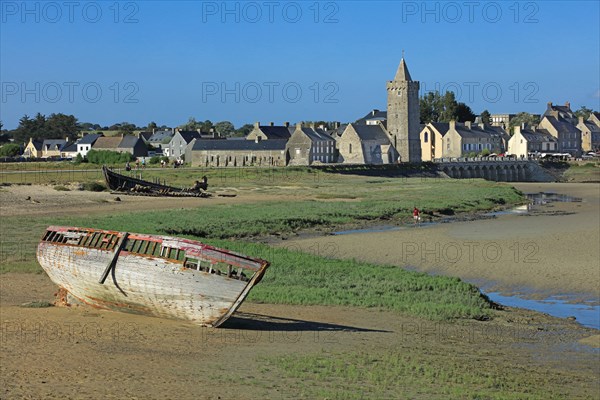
column 350, row 148
column 426, row 137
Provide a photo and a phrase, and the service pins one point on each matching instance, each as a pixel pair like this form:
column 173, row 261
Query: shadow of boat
column 257, row 322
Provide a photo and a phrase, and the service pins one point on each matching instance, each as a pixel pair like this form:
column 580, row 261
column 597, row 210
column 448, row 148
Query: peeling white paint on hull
column 149, row 284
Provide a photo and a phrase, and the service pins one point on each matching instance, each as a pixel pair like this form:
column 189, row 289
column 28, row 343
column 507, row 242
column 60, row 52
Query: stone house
column 456, row 139
column 270, row 132
column 365, row 144
column 529, row 141
column 179, row 142
column 567, row 134
column 308, row 145
column 122, row 144
column 236, row 153
column 590, row 133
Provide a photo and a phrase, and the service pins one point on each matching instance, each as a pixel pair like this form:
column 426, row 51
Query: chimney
column 322, row 127
column 452, row 124
column 374, row 112
column 286, row 124
column 568, row 105
column 256, row 125
column 523, row 125
column 271, row 124
column 215, row 133
column 549, row 104
column 298, row 125
column 336, row 125
column 199, row 130
column 468, row 125
column 533, row 128
column 581, row 120
column 481, row 126
column 311, row 125
column 153, row 130
column 257, row 139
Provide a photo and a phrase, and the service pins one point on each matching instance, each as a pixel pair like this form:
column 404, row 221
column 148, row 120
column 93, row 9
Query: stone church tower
column 403, row 115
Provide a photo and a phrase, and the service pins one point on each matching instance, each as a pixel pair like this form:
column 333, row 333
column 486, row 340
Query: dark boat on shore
column 124, row 184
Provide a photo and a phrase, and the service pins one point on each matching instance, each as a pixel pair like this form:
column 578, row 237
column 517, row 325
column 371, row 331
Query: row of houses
column 366, row 141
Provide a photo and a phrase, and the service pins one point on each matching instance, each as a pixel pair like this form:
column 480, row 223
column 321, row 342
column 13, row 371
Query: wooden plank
column 113, row 261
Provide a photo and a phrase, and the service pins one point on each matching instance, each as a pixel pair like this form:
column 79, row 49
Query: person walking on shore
column 416, row 216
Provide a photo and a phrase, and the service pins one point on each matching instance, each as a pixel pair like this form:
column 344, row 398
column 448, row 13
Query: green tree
column 224, row 128
column 126, row 128
column 243, row 130
column 464, row 113
column 584, row 112
column 151, row 126
column 522, row 118
column 437, row 108
column 10, row 150
column 486, row 117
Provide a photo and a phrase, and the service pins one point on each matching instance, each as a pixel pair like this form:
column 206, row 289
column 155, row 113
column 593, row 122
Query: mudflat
column 553, row 251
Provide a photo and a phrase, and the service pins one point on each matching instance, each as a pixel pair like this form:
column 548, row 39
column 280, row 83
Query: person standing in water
column 416, row 216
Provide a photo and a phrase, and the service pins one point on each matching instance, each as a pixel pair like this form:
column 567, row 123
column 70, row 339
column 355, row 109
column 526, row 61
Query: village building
column 373, row 117
column 85, row 143
column 432, row 143
column 236, row 153
column 567, row 134
column 365, row 144
column 51, row 148
column 179, row 142
column 270, row 132
column 590, row 133
column 122, row 144
column 69, row 151
column 403, row 119
column 526, row 142
column 308, row 145
column 455, row 139
column 33, row 149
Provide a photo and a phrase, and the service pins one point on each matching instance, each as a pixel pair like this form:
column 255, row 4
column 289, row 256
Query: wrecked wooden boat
column 123, row 184
column 148, row 274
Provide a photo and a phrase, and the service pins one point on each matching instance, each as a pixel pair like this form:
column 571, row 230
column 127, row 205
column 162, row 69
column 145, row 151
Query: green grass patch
column 409, row 374
column 61, row 188
column 93, row 186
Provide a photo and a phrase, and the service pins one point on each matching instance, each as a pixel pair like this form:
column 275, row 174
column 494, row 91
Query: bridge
column 500, row 169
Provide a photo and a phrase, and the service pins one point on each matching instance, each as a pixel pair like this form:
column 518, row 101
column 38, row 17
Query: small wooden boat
column 148, row 274
column 130, row 185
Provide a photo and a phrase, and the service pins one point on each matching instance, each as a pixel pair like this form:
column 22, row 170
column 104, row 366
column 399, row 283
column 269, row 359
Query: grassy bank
column 325, row 201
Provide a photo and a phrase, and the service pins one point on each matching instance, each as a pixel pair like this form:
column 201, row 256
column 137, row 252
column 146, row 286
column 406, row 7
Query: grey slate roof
column 441, row 127
column 53, row 144
column 70, row 148
column 128, row 141
column 562, row 126
column 159, row 136
column 37, row 144
column 370, row 132
column 188, row 136
column 89, row 139
column 275, row 132
column 375, row 114
column 239, row 145
column 540, row 135
column 316, row 135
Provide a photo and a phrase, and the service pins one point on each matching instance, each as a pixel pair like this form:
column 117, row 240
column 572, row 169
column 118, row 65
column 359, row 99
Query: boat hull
column 143, row 284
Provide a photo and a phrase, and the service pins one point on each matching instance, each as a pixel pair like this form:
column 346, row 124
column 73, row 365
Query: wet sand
column 552, row 252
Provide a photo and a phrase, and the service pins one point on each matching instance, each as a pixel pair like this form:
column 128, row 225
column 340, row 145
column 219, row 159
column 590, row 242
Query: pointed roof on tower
column 402, row 74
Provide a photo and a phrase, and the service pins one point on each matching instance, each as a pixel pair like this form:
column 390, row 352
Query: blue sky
column 143, row 61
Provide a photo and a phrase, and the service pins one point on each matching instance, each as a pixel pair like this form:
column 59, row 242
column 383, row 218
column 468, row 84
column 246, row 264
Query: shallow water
column 586, row 314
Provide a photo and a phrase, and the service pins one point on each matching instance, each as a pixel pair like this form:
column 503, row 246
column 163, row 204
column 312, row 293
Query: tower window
column 426, row 137
column 350, row 148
